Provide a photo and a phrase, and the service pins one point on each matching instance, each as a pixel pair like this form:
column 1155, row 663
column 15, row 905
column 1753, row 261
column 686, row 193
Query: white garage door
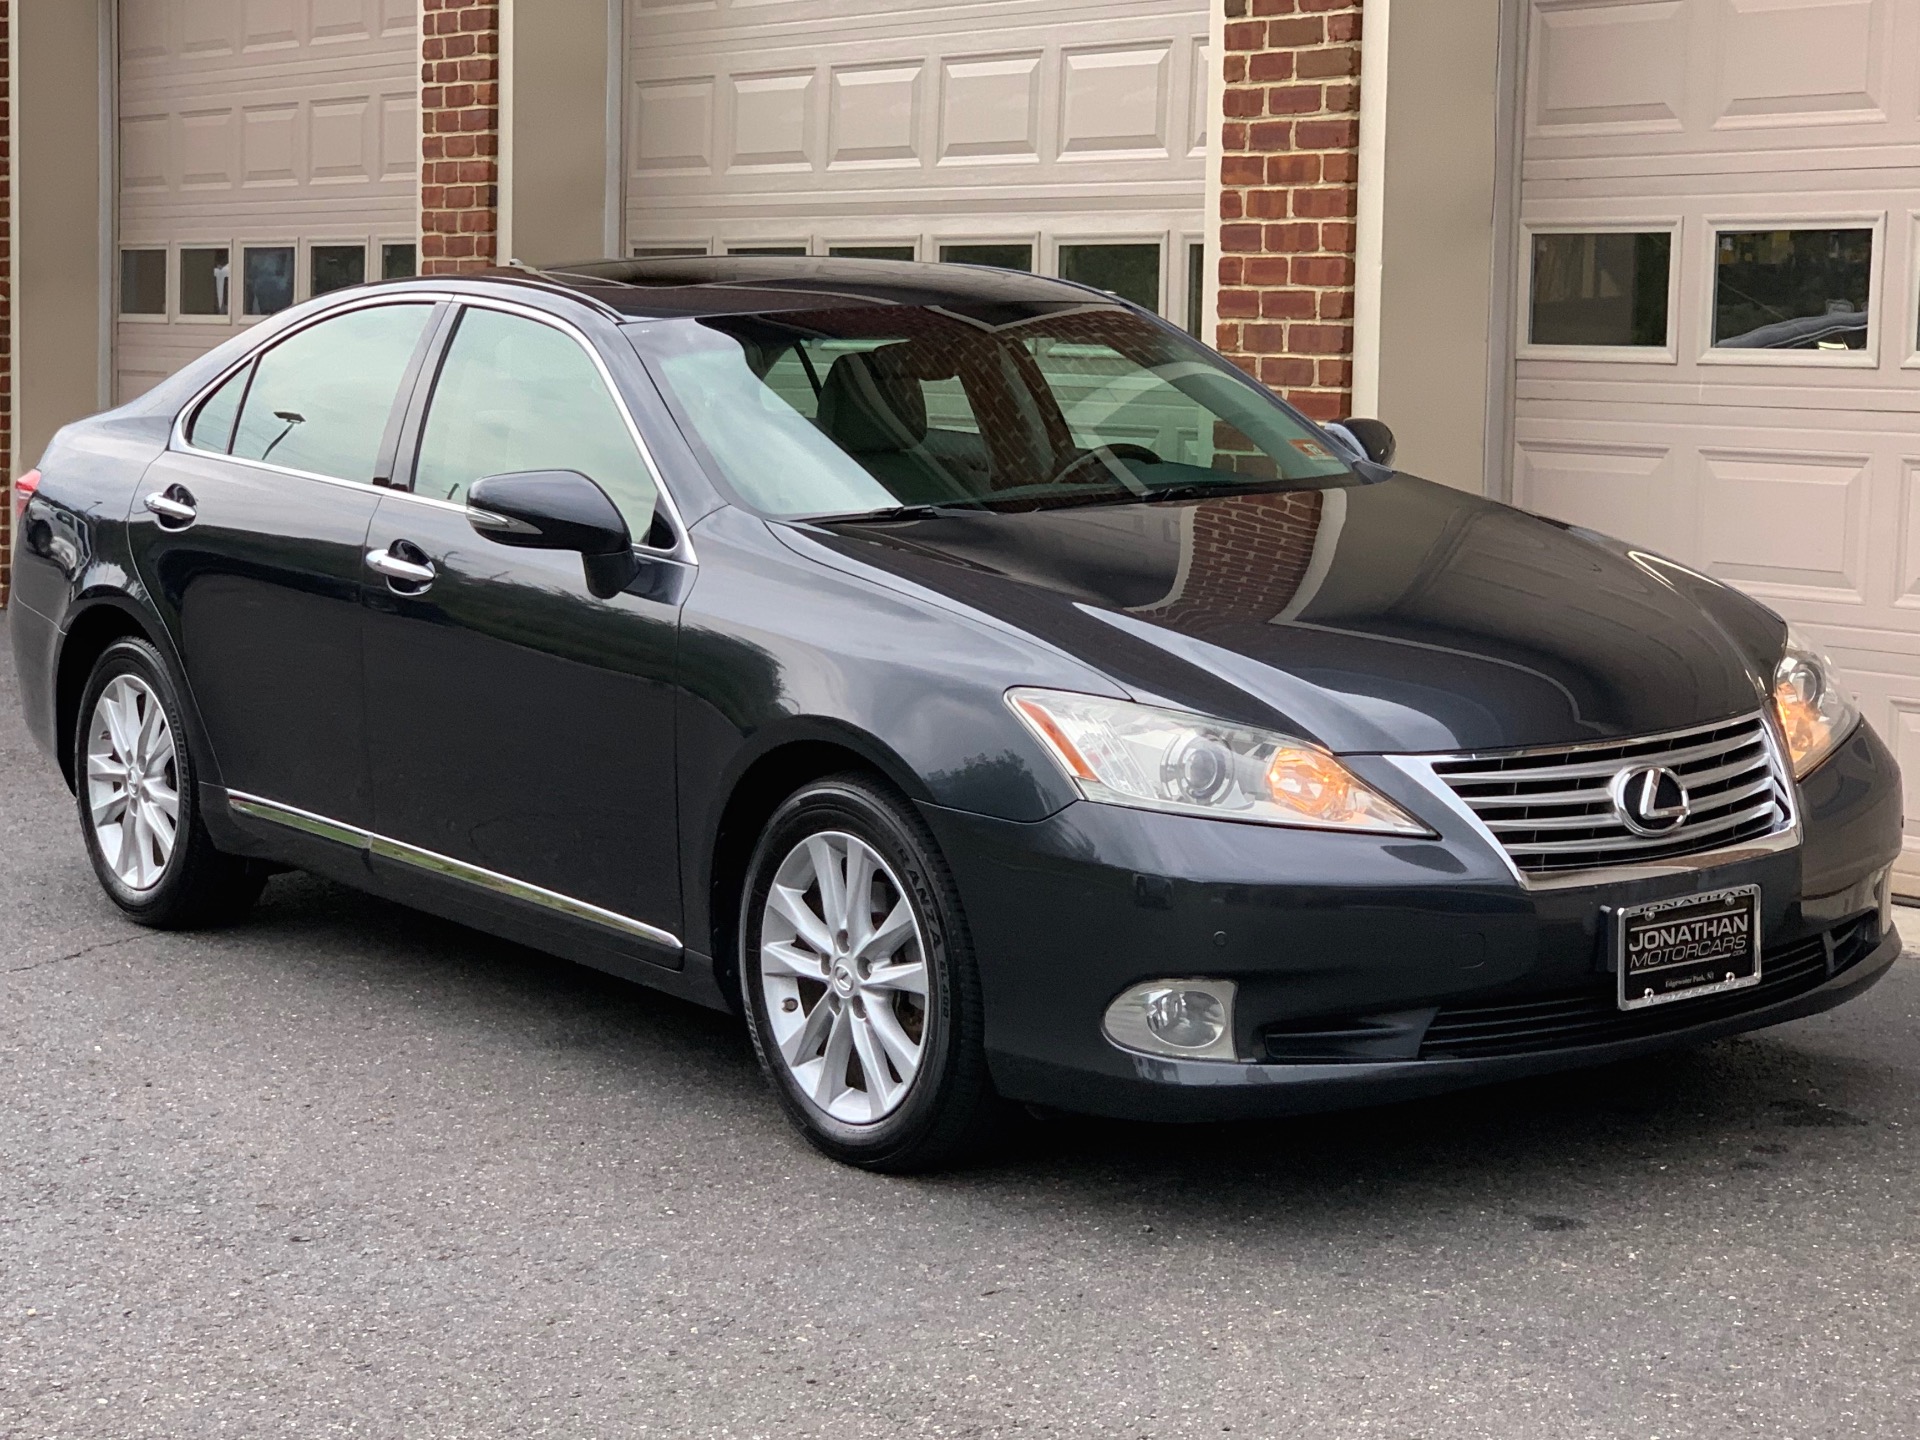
column 1720, row 347
column 1067, row 136
column 268, row 152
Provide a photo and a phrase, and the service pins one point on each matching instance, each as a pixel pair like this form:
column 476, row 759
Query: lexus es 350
column 983, row 688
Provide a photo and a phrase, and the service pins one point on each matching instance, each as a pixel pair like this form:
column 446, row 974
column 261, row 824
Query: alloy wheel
column 133, row 782
column 843, row 971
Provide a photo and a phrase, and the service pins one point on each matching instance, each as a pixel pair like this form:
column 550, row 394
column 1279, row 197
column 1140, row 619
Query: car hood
column 1399, row 616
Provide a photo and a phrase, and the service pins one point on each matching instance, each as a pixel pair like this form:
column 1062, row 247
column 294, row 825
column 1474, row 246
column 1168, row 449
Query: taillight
column 23, row 490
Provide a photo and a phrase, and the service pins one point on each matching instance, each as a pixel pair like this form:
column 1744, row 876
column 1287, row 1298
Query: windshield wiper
column 895, row 512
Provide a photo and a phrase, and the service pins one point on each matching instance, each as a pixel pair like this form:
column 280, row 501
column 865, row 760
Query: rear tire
column 859, row 982
column 139, row 808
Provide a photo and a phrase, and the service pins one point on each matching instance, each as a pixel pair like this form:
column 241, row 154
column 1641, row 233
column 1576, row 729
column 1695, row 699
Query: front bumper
column 1368, row 968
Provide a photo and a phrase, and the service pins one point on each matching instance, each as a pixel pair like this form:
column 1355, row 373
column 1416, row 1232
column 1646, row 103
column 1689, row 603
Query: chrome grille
column 1553, row 811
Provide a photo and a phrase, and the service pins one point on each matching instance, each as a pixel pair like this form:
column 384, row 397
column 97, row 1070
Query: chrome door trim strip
column 272, row 811
column 506, row 885
column 294, row 818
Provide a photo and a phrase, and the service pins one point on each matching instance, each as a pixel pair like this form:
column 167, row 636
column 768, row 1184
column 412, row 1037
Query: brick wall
column 6, row 310
column 1289, row 173
column 460, row 135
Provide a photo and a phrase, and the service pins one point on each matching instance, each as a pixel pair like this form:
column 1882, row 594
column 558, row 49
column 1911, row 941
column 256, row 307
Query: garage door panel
column 1617, row 489
column 1786, row 525
column 281, row 122
column 1793, row 62
column 1793, row 474
column 797, row 123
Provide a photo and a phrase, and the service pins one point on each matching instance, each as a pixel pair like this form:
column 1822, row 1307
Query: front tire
column 859, row 981
column 139, row 808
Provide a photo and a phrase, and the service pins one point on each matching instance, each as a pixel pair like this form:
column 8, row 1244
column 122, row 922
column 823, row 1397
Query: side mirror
column 557, row 510
column 1372, row 439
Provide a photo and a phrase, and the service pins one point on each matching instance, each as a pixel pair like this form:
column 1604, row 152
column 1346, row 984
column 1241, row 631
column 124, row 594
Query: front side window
column 321, row 398
column 1018, row 408
column 1791, row 289
column 515, row 394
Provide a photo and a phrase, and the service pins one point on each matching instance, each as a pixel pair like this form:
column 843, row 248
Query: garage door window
column 1001, row 257
column 205, row 273
column 1605, row 289
column 335, row 267
column 143, row 282
column 1792, row 289
column 269, row 279
column 1130, row 271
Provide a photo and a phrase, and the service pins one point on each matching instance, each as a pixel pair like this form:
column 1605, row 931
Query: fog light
column 1190, row 1019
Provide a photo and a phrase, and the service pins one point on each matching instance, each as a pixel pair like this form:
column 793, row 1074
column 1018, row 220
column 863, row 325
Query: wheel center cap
column 845, row 982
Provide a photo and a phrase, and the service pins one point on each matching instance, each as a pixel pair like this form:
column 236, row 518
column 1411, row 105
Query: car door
column 519, row 729
column 249, row 533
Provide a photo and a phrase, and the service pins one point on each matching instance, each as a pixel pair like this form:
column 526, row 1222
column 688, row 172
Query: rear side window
column 515, row 394
column 212, row 427
column 320, row 399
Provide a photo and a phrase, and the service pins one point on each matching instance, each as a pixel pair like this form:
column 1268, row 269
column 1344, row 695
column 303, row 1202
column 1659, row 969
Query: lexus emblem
column 1650, row 800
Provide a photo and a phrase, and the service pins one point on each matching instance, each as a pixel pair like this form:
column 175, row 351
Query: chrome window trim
column 369, row 842
column 1422, row 771
column 177, row 441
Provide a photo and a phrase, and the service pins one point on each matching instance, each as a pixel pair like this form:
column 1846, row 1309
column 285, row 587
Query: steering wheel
column 1068, row 474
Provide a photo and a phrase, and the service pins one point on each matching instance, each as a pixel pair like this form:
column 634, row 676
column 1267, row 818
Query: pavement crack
column 79, row 954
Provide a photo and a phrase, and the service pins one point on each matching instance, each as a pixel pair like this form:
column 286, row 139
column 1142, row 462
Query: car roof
column 744, row 285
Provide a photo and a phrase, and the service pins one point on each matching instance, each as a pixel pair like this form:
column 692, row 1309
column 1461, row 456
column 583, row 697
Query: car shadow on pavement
column 1726, row 1114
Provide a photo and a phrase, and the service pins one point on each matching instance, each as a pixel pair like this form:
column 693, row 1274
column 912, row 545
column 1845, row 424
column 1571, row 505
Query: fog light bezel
column 1126, row 1025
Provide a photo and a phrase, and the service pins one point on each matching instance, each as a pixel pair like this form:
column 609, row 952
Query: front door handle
column 404, row 574
column 174, row 507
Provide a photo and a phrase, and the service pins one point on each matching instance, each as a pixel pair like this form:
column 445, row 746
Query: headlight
column 1815, row 713
column 1151, row 759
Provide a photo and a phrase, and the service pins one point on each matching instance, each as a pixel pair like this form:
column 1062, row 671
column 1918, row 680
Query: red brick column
column 1289, row 173
column 6, row 309
column 460, row 135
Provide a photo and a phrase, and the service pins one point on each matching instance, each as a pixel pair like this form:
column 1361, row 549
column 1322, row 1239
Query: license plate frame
column 1730, row 967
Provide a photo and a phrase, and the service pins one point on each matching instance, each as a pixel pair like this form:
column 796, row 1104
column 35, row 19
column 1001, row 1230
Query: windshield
column 856, row 411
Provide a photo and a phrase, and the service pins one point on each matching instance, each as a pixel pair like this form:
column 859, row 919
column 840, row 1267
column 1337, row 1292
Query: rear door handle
column 174, row 507
column 404, row 575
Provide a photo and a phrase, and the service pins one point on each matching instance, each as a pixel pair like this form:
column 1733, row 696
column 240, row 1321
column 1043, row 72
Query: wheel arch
column 99, row 624
column 764, row 780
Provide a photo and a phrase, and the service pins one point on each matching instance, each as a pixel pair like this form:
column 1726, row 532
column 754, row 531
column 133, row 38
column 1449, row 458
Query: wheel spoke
column 105, row 767
column 160, row 826
column 882, row 1088
column 162, row 754
column 110, row 810
column 832, row 1079
column 792, row 907
column 139, row 846
column 778, row 957
column 153, row 726
column 165, row 800
column 891, row 934
column 829, row 872
column 900, row 1049
column 910, row 978
column 810, row 1038
column 857, row 906
column 121, row 730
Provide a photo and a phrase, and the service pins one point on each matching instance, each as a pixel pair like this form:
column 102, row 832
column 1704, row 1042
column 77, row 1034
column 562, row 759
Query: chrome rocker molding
column 273, row 812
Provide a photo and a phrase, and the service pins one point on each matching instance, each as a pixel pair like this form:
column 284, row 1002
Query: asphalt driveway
column 345, row 1170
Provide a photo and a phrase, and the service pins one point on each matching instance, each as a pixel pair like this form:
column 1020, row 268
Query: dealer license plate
column 1696, row 945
